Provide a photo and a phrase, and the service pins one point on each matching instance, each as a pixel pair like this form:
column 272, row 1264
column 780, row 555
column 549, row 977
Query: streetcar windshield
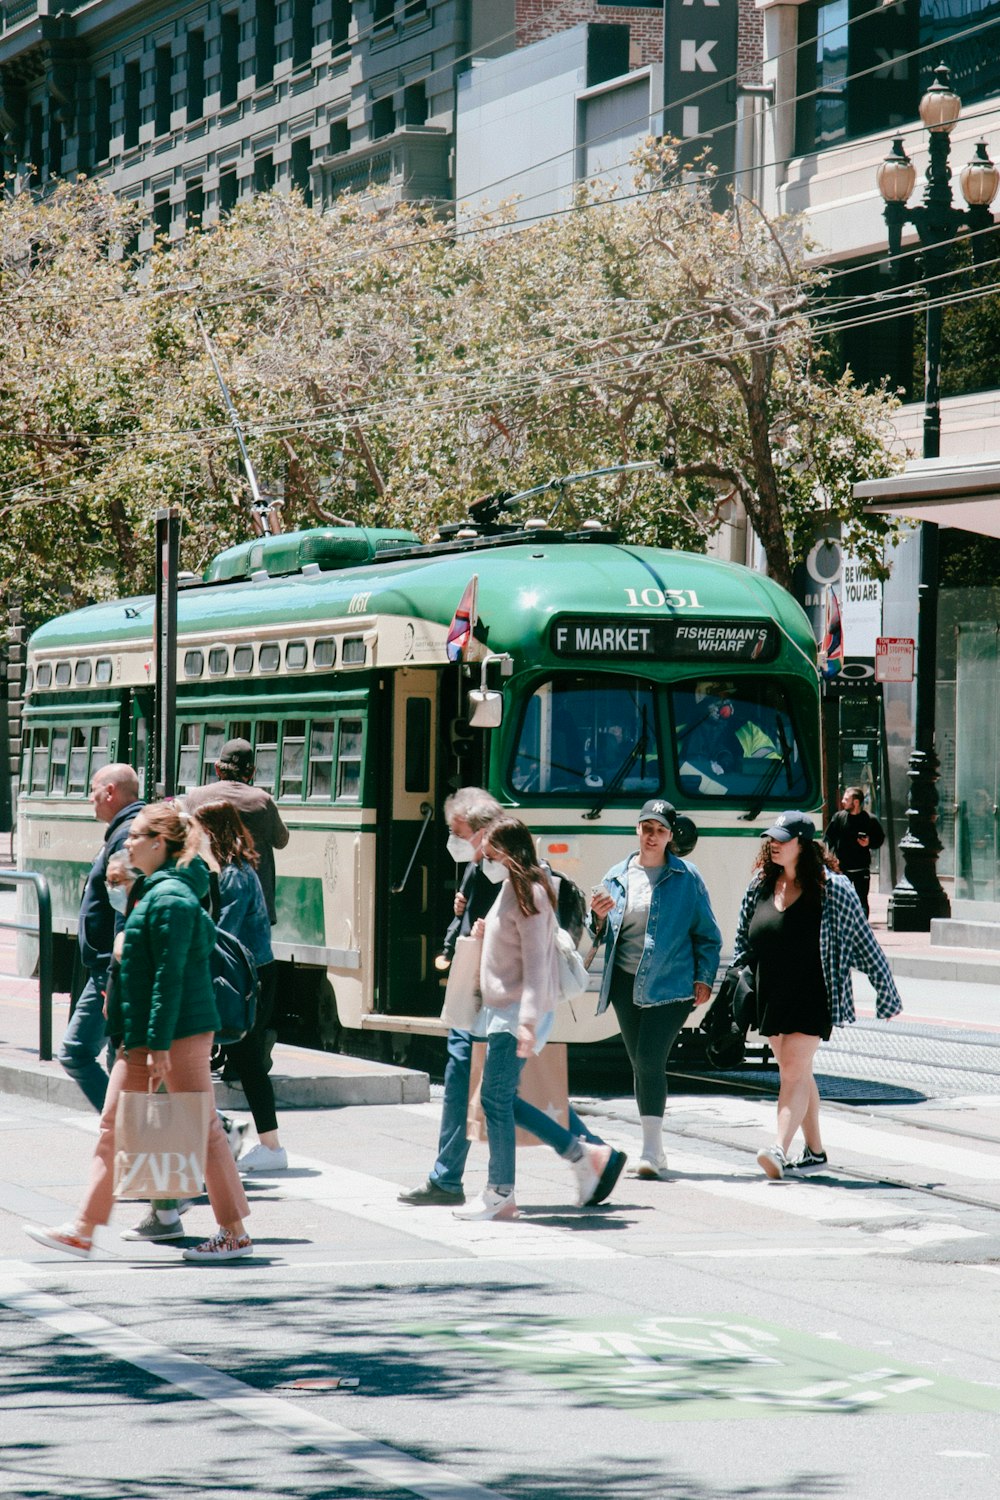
column 735, row 739
column 585, row 733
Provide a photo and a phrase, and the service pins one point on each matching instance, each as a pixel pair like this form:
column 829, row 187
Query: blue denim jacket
column 244, row 910
column 683, row 941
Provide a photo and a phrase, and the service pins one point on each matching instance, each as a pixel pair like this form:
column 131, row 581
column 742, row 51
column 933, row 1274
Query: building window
column 302, row 33
column 229, row 190
column 229, row 58
column 384, row 13
column 102, row 117
column 414, row 8
column 36, row 144
column 163, row 215
column 194, row 204
column 55, row 145
column 164, row 98
column 266, row 21
column 301, row 162
column 383, row 117
column 856, row 74
column 340, row 26
column 340, row 137
column 133, row 86
column 263, row 173
column 195, row 83
column 415, row 104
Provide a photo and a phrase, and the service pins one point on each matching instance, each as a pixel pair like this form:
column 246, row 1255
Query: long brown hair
column 510, row 837
column 810, row 868
column 229, row 837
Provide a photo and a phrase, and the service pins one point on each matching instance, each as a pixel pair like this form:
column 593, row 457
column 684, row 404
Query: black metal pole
column 165, row 647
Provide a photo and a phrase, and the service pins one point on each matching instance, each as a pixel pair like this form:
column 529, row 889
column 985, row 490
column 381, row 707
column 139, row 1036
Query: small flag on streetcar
column 464, row 622
column 832, row 656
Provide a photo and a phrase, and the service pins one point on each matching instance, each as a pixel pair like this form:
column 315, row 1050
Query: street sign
column 893, row 659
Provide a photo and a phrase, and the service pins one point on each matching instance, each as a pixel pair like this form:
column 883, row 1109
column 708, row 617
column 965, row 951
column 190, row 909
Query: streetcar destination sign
column 665, row 640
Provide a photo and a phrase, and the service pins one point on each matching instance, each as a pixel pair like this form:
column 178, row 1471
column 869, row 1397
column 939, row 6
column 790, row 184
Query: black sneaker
column 808, row 1161
column 429, row 1195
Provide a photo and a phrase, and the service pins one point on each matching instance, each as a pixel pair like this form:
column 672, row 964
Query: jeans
column 84, row 1039
column 649, row 1032
column 500, row 1078
column 453, row 1142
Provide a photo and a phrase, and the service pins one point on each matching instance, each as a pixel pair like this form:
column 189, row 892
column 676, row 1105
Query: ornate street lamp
column 918, row 896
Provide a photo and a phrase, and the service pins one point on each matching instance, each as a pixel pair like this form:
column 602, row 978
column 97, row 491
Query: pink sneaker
column 222, row 1246
column 65, row 1238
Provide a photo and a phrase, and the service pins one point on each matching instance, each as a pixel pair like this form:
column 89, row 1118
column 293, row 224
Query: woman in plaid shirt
column 802, row 927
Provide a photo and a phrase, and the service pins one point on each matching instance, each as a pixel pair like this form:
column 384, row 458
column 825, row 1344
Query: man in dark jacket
column 114, row 795
column 851, row 836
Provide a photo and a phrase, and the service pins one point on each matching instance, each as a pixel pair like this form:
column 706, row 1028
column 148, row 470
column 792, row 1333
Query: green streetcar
column 595, row 675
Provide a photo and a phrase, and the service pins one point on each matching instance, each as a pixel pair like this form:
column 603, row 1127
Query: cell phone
column 599, row 890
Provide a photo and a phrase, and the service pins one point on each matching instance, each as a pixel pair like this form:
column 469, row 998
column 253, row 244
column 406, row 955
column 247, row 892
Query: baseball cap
column 236, row 755
column 792, row 825
column 658, row 811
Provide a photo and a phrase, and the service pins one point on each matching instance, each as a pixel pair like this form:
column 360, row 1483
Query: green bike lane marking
column 710, row 1369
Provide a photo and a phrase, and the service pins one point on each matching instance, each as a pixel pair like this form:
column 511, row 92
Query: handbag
column 161, row 1141
column 573, row 976
column 732, row 1013
column 463, row 998
column 738, row 992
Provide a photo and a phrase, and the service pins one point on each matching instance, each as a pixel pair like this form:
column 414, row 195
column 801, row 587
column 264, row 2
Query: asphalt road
column 710, row 1336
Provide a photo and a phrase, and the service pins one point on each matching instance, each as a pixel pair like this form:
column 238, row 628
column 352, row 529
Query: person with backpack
column 596, row 1166
column 163, row 1008
column 662, row 944
column 242, row 911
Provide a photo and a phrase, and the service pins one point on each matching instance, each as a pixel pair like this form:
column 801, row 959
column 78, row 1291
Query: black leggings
column 649, row 1032
column 247, row 1056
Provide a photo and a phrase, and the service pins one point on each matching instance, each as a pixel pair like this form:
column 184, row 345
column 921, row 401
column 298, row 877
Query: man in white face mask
column 467, row 814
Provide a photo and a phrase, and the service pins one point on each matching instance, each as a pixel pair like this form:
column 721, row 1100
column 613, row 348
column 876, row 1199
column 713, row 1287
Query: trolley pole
column 168, row 523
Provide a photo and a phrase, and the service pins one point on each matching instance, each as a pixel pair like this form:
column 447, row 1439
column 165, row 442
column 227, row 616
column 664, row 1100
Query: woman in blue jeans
column 661, row 955
column 519, row 981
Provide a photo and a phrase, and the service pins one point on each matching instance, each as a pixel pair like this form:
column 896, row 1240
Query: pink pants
column 190, row 1073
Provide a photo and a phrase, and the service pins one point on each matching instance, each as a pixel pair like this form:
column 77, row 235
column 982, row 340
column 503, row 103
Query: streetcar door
column 411, row 840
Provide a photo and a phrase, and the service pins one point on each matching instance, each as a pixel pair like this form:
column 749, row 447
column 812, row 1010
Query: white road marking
column 385, row 1465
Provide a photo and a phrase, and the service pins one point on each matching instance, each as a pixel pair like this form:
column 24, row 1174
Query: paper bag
column 544, row 1083
column 462, row 997
column 161, row 1141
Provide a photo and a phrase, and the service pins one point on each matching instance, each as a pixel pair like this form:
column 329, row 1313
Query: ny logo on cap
column 659, row 807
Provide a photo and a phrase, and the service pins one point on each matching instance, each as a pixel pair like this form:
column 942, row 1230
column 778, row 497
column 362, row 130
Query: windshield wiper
column 767, row 785
column 639, row 748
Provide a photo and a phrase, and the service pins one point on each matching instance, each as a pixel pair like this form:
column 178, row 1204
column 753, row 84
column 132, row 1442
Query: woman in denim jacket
column 662, row 951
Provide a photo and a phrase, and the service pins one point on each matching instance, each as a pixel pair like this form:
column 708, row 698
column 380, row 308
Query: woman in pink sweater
column 519, row 982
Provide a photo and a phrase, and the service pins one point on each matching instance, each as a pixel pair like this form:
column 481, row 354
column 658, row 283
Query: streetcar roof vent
column 324, row 548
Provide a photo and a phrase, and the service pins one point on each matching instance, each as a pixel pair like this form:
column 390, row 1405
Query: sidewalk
column 912, row 955
column 302, row 1078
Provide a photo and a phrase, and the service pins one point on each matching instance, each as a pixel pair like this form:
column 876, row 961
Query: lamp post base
column 912, row 909
column 918, row 896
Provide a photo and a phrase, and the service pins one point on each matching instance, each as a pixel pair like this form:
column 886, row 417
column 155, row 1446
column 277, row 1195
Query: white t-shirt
column 641, row 881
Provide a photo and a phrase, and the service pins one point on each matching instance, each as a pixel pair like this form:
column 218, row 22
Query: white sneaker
column 261, row 1158
column 651, row 1169
column 774, row 1161
column 589, row 1170
column 489, row 1205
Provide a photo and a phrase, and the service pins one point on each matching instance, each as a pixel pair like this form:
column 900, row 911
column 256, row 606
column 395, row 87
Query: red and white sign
column 893, row 659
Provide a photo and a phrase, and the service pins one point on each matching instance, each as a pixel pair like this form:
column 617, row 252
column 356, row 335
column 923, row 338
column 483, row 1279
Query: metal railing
column 42, row 929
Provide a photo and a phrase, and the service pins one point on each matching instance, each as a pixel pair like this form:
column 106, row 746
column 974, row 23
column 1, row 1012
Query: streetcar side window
column 321, row 759
column 585, row 732
column 188, row 759
column 78, row 748
column 215, row 738
column 266, row 754
column 735, row 738
column 100, row 750
column 59, row 761
column 293, row 749
column 349, row 759
column 40, row 761
column 417, row 771
column 243, row 661
column 26, row 758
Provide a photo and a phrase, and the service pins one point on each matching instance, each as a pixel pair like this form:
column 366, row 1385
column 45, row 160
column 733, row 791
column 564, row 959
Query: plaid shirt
column 846, row 942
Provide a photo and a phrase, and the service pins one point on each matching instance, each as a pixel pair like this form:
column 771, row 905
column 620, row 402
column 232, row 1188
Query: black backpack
column 571, row 904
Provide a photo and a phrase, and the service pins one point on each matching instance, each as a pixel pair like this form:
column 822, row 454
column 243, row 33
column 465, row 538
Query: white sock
column 168, row 1215
column 652, row 1136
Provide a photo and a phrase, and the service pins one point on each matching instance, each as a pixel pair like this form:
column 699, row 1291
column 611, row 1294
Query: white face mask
column 118, row 896
column 460, row 849
column 495, row 871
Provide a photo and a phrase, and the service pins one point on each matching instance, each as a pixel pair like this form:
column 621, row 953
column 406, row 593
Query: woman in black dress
column 802, row 926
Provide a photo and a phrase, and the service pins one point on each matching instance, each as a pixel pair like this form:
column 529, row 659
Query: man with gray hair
column 114, row 796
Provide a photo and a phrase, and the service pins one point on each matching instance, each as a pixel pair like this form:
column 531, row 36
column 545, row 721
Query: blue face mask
column 118, row 897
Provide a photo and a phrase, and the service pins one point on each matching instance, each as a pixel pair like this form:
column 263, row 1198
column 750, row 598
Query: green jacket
column 164, row 989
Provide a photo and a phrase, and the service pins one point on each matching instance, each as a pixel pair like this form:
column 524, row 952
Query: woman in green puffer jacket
column 164, row 1010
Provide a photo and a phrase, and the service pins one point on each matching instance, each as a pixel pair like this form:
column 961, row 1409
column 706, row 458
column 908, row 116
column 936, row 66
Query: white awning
column 950, row 493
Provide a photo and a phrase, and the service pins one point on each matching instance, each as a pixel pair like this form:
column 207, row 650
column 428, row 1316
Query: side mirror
column 486, row 708
column 685, row 836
